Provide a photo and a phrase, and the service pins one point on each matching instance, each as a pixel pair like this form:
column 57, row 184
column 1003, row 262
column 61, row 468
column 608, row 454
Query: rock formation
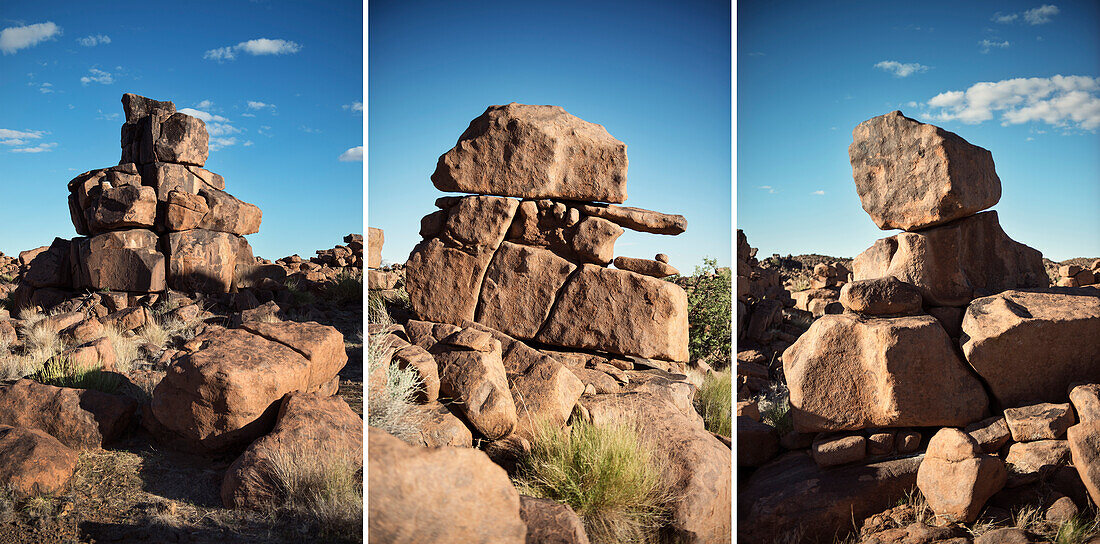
column 530, row 267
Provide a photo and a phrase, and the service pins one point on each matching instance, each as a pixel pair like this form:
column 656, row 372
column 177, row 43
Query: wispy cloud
column 1041, row 14
column 354, row 154
column 204, row 116
column 1062, row 101
column 901, row 69
column 767, row 188
column 42, row 147
column 987, row 44
column 259, row 46
column 218, row 127
column 256, row 105
column 818, row 192
column 97, row 76
column 205, row 104
column 310, row 130
column 354, row 106
column 92, row 41
column 14, row 38
column 107, row 116
column 46, row 88
column 219, row 143
column 248, row 114
column 1005, row 18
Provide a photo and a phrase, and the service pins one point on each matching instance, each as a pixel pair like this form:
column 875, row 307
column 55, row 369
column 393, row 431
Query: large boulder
column 849, row 372
column 375, row 239
column 201, row 260
column 793, row 496
column 956, row 478
column 123, row 207
column 1031, row 346
column 471, row 372
column 423, row 495
column 955, row 263
column 121, row 260
column 520, row 287
column 226, row 391
column 638, row 219
column 619, row 312
column 79, row 418
column 308, row 425
column 880, row 296
column 535, row 152
column 1084, row 447
column 33, row 462
column 182, row 139
column 700, row 465
column 48, row 266
column 911, row 176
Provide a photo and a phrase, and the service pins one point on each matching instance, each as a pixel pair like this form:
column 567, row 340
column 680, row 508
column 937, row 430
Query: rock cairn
column 528, row 253
column 948, row 328
column 157, row 220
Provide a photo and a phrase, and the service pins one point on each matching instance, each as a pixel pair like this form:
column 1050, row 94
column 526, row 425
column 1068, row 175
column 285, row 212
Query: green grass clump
column 61, row 373
column 714, row 401
column 299, row 296
column 1078, row 530
column 608, row 474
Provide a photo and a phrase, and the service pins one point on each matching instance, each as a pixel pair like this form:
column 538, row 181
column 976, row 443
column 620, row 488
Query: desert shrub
column 709, row 309
column 299, row 296
column 714, row 401
column 319, row 485
column 347, row 287
column 612, row 478
column 775, row 408
column 390, row 400
column 64, row 374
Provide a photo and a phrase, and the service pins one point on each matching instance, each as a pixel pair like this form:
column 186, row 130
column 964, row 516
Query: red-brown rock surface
column 79, row 418
column 33, row 462
column 956, row 478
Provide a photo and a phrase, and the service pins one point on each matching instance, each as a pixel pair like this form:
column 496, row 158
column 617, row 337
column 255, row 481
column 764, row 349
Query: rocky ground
column 136, row 487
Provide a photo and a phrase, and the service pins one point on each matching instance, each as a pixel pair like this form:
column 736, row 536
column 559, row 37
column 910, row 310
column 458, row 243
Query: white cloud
column 911, row 104
column 204, row 116
column 255, row 105
column 19, row 137
column 900, row 69
column 248, row 115
column 987, row 44
column 221, row 129
column 1005, row 18
column 1062, row 101
column 259, row 46
column 354, row 106
column 219, row 143
column 818, row 192
column 354, row 154
column 205, row 104
column 14, row 38
column 247, row 143
column 1041, row 14
column 92, row 41
column 36, row 149
column 107, row 116
column 97, row 76
column 46, row 88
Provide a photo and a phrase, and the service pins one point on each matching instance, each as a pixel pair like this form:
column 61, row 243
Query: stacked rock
column 823, row 296
column 1071, row 275
column 528, row 253
column 347, row 256
column 158, row 219
column 9, row 266
column 376, row 278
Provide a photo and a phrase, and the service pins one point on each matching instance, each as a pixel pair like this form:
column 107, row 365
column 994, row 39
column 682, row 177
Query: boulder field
column 518, row 320
column 949, row 363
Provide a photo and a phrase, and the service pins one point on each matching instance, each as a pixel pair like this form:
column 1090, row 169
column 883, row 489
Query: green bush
column 613, row 479
column 709, row 293
column 347, row 287
column 714, row 401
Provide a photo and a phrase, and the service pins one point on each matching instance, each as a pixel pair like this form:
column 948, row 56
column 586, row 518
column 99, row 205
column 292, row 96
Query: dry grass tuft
column 126, row 348
column 318, row 485
column 714, row 401
column 615, row 481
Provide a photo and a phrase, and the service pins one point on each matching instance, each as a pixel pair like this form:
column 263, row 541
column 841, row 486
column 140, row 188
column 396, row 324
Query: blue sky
column 809, row 72
column 656, row 75
column 280, row 85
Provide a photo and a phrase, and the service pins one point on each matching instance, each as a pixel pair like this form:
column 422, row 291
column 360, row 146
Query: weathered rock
column 79, row 418
column 33, row 462
column 794, row 496
column 535, row 152
column 623, row 313
column 124, row 260
column 757, row 442
column 409, row 355
column 700, row 466
column 1030, row 461
column 911, row 176
column 97, row 354
column 638, row 219
column 226, row 392
column 476, row 381
column 375, row 239
column 201, row 260
column 1086, row 400
column 520, row 287
column 1042, row 421
column 1084, row 446
column 839, row 450
column 544, row 393
column 322, row 345
column 991, row 434
column 550, row 522
column 956, row 478
column 47, row 267
column 1004, row 535
column 126, row 206
column 183, row 139
column 308, row 426
column 438, row 426
column 381, row 279
column 1030, row 346
column 594, row 240
column 438, row 495
column 881, row 442
column 953, row 264
column 881, row 296
column 849, row 373
column 950, row 318
column 657, row 269
column 229, row 214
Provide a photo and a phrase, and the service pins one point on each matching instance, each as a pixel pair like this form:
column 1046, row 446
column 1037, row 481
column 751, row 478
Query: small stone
column 832, row 450
column 990, row 433
column 1044, row 421
column 661, row 257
